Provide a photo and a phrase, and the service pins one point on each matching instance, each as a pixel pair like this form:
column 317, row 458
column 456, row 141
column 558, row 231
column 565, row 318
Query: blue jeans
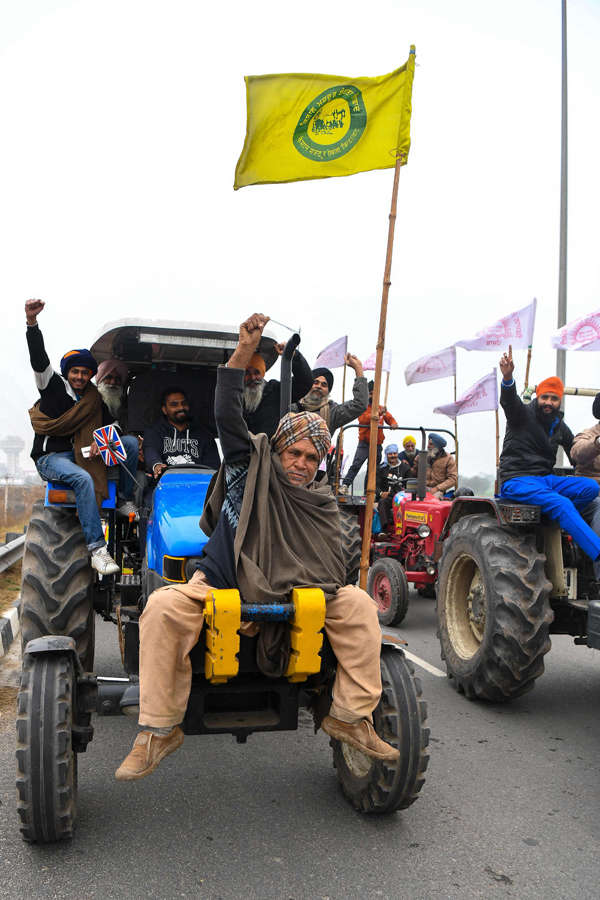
column 562, row 498
column 62, row 467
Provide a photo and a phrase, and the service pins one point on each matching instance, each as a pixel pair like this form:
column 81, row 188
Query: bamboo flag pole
column 387, row 385
column 527, row 367
column 455, row 426
column 368, row 521
column 340, row 448
column 497, row 450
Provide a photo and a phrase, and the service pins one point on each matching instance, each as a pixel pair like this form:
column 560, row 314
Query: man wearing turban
column 69, row 410
column 111, row 380
column 272, row 527
column 533, row 434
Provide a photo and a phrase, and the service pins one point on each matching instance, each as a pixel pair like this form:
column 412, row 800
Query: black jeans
column 361, row 455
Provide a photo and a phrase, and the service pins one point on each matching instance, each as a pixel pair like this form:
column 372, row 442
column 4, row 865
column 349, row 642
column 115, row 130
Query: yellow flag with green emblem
column 321, row 126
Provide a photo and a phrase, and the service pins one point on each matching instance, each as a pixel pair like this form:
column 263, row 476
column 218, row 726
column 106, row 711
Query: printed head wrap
column 298, row 426
column 327, row 374
column 257, row 362
column 80, row 357
column 112, row 367
column 552, row 385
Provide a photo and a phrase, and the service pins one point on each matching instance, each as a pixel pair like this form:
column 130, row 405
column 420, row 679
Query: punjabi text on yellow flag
column 320, row 126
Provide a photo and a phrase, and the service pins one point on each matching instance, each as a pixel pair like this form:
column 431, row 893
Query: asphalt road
column 510, row 808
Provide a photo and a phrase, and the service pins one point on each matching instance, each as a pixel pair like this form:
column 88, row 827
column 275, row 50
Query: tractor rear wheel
column 46, row 762
column 387, row 585
column 351, row 545
column 57, row 578
column 400, row 719
column 493, row 609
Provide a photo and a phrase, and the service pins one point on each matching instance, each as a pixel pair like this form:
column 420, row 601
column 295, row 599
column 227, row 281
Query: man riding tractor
column 69, row 410
column 272, row 527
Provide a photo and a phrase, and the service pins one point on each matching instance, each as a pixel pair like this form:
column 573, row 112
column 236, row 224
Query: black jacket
column 56, row 396
column 390, row 478
column 530, row 444
column 265, row 418
column 195, row 445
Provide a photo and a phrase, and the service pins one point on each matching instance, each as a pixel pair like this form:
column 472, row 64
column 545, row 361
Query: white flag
column 386, row 366
column 583, row 334
column 428, row 368
column 479, row 397
column 334, row 355
column 515, row 329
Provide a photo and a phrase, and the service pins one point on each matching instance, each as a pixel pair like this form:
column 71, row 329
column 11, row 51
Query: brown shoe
column 148, row 750
column 361, row 735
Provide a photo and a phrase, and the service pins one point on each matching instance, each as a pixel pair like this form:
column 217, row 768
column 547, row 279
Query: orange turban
column 257, row 362
column 552, row 385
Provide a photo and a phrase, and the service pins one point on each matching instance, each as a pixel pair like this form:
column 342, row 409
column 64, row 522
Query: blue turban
column 437, row 440
column 81, row 357
column 391, row 448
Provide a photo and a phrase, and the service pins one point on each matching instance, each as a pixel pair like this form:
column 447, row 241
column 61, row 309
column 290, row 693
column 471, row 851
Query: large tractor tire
column 56, row 584
column 351, row 545
column 387, row 585
column 400, row 719
column 493, row 609
column 46, row 763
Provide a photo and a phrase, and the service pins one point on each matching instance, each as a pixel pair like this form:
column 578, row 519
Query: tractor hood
column 174, row 525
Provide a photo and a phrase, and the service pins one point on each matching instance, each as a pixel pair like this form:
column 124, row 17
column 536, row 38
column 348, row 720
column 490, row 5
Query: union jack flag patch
column 110, row 445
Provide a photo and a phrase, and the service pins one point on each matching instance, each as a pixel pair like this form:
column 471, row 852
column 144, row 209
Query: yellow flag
column 319, row 126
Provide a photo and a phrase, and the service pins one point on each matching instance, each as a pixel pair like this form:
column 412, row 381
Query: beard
column 253, row 395
column 112, row 396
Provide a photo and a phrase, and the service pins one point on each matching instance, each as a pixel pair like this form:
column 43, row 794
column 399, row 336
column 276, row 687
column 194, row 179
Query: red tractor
column 409, row 550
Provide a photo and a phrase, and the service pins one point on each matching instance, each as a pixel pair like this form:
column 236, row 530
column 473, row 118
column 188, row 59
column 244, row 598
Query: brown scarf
column 320, row 406
column 80, row 421
column 287, row 536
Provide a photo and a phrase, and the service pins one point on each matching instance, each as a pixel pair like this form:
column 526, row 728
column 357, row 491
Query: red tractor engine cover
column 410, row 514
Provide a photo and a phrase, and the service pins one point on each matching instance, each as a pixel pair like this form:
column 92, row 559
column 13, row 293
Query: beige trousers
column 170, row 627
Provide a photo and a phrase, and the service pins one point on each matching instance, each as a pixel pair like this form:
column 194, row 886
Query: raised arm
column 38, row 357
column 510, row 401
column 229, row 395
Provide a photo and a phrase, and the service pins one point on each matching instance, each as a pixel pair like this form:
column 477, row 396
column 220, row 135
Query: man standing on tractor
column 272, row 527
column 334, row 414
column 69, row 410
column 262, row 399
column 533, row 434
column 362, row 451
column 441, row 467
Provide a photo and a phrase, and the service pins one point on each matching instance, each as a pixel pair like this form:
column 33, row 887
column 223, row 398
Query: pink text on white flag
column 386, row 366
column 515, row 329
column 428, row 368
column 582, row 334
column 481, row 396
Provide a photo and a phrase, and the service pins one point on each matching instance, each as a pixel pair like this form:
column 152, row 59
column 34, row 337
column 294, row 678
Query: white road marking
column 424, row 665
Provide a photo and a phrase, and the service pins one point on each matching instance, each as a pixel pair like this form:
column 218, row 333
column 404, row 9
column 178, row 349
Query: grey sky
column 122, row 124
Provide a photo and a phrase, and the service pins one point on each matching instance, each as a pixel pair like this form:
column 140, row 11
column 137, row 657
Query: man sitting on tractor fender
column 409, row 454
column 272, row 527
column 533, row 435
column 70, row 408
column 441, row 467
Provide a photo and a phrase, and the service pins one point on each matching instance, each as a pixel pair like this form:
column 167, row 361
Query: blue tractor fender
column 174, row 523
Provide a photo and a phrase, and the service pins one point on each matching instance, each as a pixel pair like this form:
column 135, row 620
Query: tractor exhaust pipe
column 286, row 375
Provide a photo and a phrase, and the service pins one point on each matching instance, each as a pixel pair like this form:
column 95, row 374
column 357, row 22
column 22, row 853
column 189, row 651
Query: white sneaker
column 126, row 508
column 103, row 562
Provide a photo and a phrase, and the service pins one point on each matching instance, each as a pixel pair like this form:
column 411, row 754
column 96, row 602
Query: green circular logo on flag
column 332, row 124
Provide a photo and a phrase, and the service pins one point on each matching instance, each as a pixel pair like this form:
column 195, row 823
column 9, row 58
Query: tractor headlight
column 423, row 531
column 173, row 568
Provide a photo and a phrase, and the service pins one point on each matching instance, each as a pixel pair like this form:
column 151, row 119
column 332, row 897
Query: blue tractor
column 61, row 595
